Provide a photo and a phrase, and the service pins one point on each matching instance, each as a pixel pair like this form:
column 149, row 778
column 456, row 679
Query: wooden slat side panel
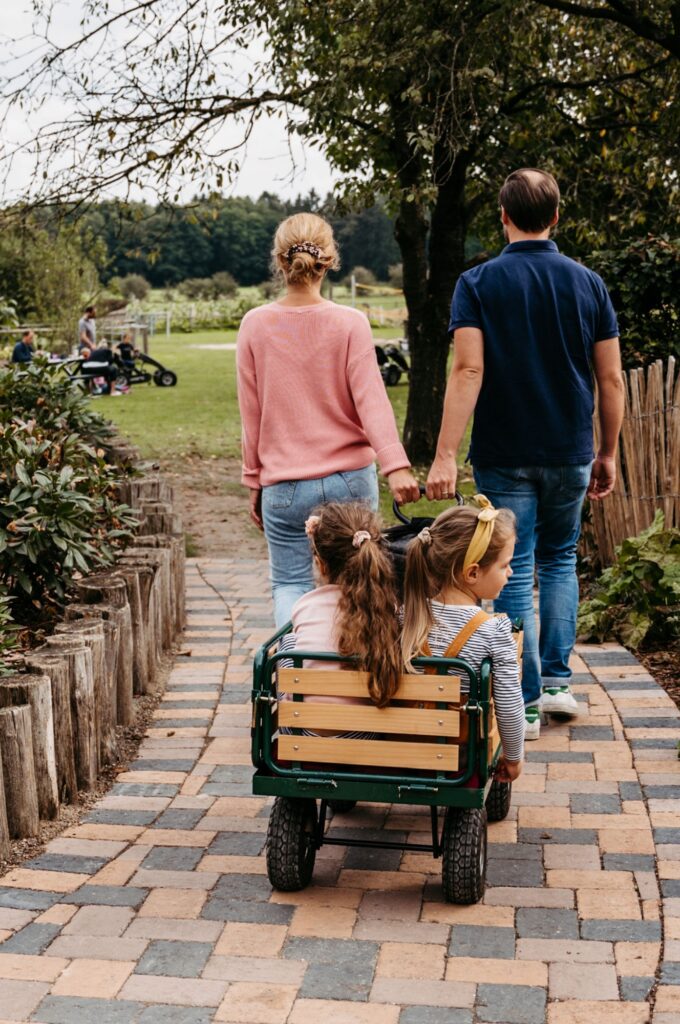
column 366, row 718
column 337, row 683
column 369, row 753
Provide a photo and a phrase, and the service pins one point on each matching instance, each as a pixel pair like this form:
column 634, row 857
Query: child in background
column 354, row 611
column 451, row 566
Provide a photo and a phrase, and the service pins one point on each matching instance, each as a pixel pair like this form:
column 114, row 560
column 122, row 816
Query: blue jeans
column 285, row 507
column 547, row 502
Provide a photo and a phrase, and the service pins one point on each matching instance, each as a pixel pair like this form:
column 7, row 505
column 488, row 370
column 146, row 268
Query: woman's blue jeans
column 285, row 507
column 547, row 502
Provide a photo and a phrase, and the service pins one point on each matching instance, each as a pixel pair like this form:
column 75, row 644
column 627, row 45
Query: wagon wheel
column 498, row 800
column 464, row 855
column 342, row 806
column 291, row 848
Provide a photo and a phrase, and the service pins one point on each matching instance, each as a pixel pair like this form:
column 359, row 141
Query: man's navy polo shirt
column 540, row 313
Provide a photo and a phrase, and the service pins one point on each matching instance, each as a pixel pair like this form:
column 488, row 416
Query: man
column 87, row 330
column 23, row 350
column 530, row 329
column 100, row 363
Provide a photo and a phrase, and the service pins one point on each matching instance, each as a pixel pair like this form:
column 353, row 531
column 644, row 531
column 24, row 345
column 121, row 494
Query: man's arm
column 462, row 392
column 609, row 377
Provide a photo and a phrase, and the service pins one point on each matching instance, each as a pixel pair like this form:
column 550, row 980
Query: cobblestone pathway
column 157, row 910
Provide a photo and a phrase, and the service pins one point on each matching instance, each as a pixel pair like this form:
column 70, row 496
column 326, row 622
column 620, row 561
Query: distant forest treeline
column 167, row 244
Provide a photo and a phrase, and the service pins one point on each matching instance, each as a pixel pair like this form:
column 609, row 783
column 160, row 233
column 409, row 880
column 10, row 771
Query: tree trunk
column 56, row 667
column 36, row 691
column 428, row 299
column 16, row 751
column 78, row 658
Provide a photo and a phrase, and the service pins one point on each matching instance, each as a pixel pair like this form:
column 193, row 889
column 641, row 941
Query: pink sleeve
column 249, row 406
column 371, row 401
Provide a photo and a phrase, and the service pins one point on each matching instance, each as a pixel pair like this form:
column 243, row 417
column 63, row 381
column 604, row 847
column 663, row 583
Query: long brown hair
column 436, row 561
column 367, row 611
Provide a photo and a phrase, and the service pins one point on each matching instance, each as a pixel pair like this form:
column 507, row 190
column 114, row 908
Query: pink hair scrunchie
column 359, row 537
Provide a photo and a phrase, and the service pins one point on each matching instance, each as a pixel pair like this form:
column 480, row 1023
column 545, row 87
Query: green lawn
column 200, row 415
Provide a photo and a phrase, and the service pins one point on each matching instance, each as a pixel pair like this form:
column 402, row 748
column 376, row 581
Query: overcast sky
column 272, row 162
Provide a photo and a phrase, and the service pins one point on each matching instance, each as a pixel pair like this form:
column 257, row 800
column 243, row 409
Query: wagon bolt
column 296, row 679
column 440, row 688
column 439, row 757
column 295, row 746
column 440, row 721
column 296, row 714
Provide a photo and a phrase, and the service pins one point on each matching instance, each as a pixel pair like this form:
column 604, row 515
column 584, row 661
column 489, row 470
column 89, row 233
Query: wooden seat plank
column 367, row 718
column 340, row 683
column 375, row 753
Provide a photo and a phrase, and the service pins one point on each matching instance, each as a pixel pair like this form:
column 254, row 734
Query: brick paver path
column 157, row 909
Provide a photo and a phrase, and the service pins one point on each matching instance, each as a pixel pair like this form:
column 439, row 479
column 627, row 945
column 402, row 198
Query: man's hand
column 507, row 771
column 602, row 477
column 404, row 486
column 441, row 480
column 256, row 507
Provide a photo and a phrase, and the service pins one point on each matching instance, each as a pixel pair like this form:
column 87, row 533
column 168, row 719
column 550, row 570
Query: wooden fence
column 648, row 462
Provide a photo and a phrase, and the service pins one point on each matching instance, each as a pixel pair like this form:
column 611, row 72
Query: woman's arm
column 249, row 407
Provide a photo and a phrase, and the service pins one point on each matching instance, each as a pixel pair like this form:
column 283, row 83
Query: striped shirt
column 493, row 639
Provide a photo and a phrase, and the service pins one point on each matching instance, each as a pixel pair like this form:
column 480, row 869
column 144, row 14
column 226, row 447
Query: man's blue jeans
column 547, row 502
column 285, row 507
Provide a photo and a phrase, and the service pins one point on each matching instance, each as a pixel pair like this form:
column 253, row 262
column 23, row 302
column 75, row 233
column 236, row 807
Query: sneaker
column 558, row 700
column 532, row 717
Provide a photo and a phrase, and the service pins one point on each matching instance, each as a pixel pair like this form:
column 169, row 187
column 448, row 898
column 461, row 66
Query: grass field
column 199, row 417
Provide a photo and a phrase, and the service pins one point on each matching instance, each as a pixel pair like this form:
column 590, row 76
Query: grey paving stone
column 652, row 723
column 228, row 788
column 183, row 723
column 176, row 1015
column 243, row 887
column 516, row 851
column 577, row 836
column 670, row 973
column 670, row 887
column 246, row 911
column 592, row 732
column 628, row 862
column 241, row 844
column 32, row 940
column 611, row 685
column 172, row 858
column 74, row 1010
column 662, row 744
column 232, row 773
column 235, row 695
column 174, row 959
column 632, row 790
column 511, row 1004
column 550, row 756
column 478, row 941
column 144, row 789
column 345, row 981
column 666, row 835
column 107, row 896
column 177, row 817
column 27, row 899
column 170, row 705
column 599, row 658
column 434, row 1015
column 595, row 803
column 621, row 931
column 150, row 764
column 581, row 678
column 662, row 792
column 373, row 859
column 106, row 817
column 636, row 990
column 541, row 923
column 64, row 862
column 331, row 952
column 514, row 872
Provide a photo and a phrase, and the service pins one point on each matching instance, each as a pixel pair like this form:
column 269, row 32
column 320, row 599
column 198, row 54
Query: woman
column 314, row 411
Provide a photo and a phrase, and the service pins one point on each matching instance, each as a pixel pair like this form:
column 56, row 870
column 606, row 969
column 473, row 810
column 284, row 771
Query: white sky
column 272, row 162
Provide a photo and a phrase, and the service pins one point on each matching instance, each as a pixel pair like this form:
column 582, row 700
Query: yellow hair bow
column 483, row 531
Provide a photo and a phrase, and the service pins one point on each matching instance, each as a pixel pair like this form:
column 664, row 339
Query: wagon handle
column 460, row 500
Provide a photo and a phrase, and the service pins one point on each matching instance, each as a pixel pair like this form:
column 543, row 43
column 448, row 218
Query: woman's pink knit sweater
column 311, row 396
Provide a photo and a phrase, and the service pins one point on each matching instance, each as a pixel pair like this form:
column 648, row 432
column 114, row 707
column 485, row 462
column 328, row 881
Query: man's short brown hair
column 530, row 198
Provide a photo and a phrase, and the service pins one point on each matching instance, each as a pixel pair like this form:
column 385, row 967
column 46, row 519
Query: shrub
column 269, row 289
column 395, row 275
column 224, row 285
column 643, row 279
column 133, row 286
column 362, row 275
column 637, row 599
column 196, row 288
column 8, row 630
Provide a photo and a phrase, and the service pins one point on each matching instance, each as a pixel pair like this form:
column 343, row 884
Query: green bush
column 59, row 514
column 133, row 286
column 643, row 279
column 8, row 630
column 637, row 599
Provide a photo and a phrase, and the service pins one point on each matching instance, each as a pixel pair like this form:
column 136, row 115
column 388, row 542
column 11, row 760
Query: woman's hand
column 256, row 507
column 404, row 486
column 507, row 771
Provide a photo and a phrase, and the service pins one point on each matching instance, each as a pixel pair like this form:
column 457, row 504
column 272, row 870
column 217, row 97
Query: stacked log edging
column 59, row 716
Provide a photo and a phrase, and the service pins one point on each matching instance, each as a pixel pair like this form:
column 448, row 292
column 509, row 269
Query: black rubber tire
column 342, row 806
column 498, row 800
column 165, row 378
column 392, row 376
column 290, row 843
column 464, row 855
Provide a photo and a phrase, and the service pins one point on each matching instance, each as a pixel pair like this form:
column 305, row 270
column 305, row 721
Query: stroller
column 392, row 363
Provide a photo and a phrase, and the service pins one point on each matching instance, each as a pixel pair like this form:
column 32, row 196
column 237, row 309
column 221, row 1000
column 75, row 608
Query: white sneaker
column 558, row 700
column 532, row 722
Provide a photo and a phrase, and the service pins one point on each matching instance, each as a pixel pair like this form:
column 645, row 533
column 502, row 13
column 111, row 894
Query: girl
column 451, row 566
column 314, row 410
column 354, row 610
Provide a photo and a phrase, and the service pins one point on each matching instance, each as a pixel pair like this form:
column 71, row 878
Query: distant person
column 23, row 350
column 126, row 352
column 87, row 330
column 315, row 414
column 100, row 362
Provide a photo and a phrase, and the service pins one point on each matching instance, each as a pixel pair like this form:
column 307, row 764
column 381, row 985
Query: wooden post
column 146, row 626
column 16, row 750
column 4, row 827
column 101, row 637
column 36, row 691
column 137, row 581
column 81, row 685
column 56, row 667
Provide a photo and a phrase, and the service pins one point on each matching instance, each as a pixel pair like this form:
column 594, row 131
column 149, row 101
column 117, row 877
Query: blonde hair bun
column 304, row 249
